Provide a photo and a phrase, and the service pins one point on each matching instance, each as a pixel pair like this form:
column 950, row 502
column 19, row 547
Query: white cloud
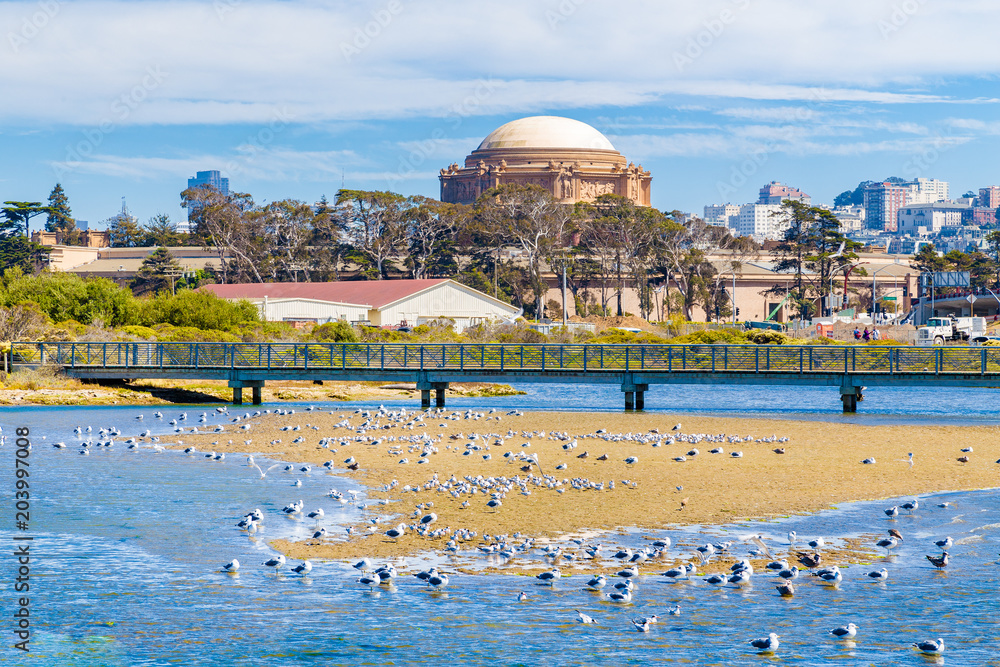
column 247, row 162
column 234, row 61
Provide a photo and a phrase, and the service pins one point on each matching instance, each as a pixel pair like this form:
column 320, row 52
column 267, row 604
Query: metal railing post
column 626, row 357
column 713, row 359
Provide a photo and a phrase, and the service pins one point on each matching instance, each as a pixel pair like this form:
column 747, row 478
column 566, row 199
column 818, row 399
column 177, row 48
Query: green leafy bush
column 335, row 332
column 201, row 310
column 768, row 337
column 728, row 336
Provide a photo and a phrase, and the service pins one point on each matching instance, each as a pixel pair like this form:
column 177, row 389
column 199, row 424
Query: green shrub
column 335, row 332
column 67, row 296
column 201, row 310
column 728, row 336
column 768, row 337
column 622, row 337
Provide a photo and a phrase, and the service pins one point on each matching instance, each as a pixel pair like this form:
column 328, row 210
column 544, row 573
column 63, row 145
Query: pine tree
column 124, row 231
column 60, row 218
column 159, row 271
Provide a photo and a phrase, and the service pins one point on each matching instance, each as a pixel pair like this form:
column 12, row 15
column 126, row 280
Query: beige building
column 376, row 302
column 570, row 159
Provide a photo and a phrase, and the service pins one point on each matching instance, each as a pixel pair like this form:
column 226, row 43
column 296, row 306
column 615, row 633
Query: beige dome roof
column 546, row 132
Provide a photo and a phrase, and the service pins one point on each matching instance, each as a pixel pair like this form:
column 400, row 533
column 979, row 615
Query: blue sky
column 291, row 99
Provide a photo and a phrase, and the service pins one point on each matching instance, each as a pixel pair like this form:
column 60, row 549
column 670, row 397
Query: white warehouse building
column 376, row 302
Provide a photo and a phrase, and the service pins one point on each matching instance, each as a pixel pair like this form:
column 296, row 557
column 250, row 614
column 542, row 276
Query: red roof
column 372, row 293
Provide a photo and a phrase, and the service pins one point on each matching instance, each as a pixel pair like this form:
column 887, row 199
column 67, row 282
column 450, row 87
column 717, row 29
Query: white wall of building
column 761, row 221
column 309, row 310
column 466, row 306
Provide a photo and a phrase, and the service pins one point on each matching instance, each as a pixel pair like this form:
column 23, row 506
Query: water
column 127, row 548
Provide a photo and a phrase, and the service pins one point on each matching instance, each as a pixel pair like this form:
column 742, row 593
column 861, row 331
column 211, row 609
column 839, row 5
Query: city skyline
column 290, row 100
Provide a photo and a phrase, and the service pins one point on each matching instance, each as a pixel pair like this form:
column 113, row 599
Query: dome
column 546, row 132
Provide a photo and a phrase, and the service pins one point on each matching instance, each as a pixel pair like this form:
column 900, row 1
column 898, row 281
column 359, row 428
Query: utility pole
column 565, row 316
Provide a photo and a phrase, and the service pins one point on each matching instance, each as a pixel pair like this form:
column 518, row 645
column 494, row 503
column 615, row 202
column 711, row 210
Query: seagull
column 676, row 427
column 817, row 543
column 848, row 631
column 585, row 619
column 522, row 596
column 276, row 563
column 673, row 611
column 810, row 561
column 598, row 582
column 888, row 543
column 911, row 505
column 641, row 625
column 940, row 561
column 869, row 460
column 790, row 573
column 832, row 576
column 791, row 538
column 767, row 644
column 879, row 575
column 945, row 543
column 397, row 532
column 930, row 647
column 231, row 566
column 303, row 568
column 438, row 580
column 716, row 579
column 892, row 512
column 786, row 590
column 623, row 597
column 365, row 564
column 550, row 576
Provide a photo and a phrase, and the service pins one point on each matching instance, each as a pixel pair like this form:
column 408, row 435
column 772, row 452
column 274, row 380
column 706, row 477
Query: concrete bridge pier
column 850, row 395
column 635, row 394
column 238, row 385
column 439, row 389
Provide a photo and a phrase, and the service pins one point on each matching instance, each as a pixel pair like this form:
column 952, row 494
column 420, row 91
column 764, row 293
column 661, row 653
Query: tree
column 855, row 197
column 373, row 223
column 124, row 231
column 286, row 227
column 811, row 242
column 327, row 245
column 681, row 255
column 993, row 249
column 160, row 231
column 231, row 226
column 60, row 218
column 16, row 251
column 20, row 213
column 159, row 271
column 431, row 227
column 527, row 216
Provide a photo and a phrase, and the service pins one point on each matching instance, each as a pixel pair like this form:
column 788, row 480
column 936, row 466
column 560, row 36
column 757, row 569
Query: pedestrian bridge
column 433, row 366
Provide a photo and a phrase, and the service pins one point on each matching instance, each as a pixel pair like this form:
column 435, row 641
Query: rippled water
column 128, row 546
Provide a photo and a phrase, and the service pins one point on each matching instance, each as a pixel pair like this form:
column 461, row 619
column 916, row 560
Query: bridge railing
column 503, row 357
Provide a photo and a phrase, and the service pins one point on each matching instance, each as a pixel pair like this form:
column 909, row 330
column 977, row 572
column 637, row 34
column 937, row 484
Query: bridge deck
column 634, row 367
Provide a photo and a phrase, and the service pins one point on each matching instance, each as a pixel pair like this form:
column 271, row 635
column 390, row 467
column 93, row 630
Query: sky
column 297, row 99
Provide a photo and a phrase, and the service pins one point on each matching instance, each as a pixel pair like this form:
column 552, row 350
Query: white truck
column 940, row 330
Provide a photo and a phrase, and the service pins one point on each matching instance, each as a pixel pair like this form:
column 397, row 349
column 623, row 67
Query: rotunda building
column 570, row 159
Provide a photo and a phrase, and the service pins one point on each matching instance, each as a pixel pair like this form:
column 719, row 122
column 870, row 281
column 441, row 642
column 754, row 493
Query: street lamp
column 887, row 266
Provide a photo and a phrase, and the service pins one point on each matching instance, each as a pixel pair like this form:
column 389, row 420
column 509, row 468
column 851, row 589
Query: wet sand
column 820, row 468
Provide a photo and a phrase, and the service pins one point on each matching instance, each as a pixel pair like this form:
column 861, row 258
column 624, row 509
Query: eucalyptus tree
column 373, row 225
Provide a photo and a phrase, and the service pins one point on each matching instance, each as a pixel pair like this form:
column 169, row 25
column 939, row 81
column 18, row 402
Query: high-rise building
column 722, row 215
column 989, row 197
column 212, row 179
column 882, row 203
column 927, row 191
column 775, row 193
column 761, row 221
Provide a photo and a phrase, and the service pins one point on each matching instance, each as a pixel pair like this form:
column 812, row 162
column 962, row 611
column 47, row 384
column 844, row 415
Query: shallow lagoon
column 128, row 546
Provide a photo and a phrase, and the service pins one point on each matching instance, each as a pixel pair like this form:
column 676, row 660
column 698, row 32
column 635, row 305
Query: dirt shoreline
column 821, row 468
column 66, row 391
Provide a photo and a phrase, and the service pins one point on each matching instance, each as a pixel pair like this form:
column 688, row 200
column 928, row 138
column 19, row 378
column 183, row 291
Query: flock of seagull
column 494, row 489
